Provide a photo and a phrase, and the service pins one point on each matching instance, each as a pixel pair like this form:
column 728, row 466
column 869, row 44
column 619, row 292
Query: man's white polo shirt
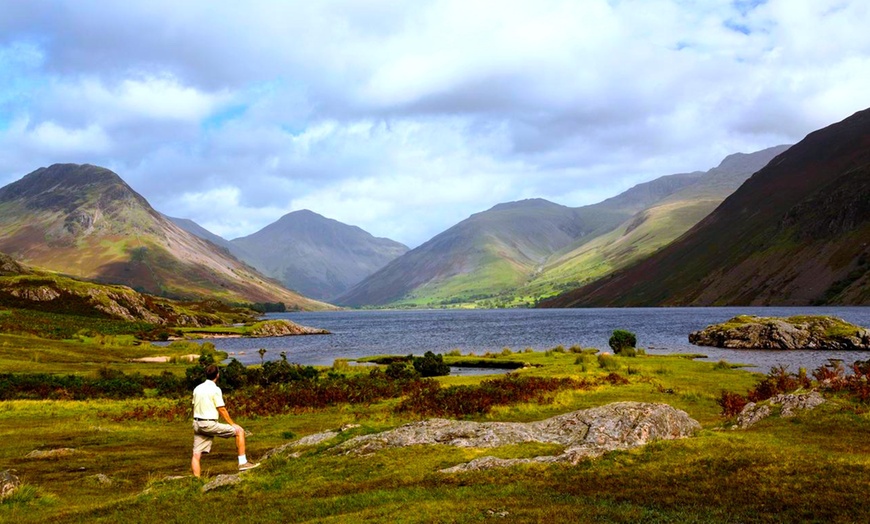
column 207, row 397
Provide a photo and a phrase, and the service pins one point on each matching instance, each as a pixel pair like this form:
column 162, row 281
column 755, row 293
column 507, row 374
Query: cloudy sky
column 406, row 117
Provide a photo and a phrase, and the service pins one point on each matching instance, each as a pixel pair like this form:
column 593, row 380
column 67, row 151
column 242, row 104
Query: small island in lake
column 799, row 332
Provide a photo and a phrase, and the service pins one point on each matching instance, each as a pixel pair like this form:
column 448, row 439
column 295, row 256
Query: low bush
column 621, row 340
column 608, row 362
column 40, row 386
column 431, row 365
column 463, row 401
column 777, row 381
column 731, row 403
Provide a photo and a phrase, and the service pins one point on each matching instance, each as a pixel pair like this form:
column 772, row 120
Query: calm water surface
column 659, row 330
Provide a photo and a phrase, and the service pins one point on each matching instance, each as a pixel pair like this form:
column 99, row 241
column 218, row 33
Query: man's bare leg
column 195, row 465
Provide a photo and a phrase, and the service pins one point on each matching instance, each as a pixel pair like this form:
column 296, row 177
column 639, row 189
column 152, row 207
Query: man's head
column 211, row 372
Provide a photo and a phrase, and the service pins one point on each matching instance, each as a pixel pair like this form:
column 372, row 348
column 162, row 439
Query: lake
column 659, row 330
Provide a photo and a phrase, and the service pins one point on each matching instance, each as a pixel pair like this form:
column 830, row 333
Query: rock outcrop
column 309, row 440
column 283, row 328
column 51, row 453
column 804, row 332
column 790, row 406
column 584, row 434
column 9, row 482
column 221, row 481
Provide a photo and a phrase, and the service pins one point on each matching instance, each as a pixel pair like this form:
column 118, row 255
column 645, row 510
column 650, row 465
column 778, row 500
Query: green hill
column 516, row 253
column 796, row 233
column 85, row 221
column 650, row 229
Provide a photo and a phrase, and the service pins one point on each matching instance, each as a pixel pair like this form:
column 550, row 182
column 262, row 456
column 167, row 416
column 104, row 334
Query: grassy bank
column 810, row 468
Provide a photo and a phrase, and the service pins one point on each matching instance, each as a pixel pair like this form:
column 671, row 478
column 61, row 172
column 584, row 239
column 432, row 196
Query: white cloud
column 404, row 118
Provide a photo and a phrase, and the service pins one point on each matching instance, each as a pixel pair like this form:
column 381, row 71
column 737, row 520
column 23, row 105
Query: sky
column 404, row 118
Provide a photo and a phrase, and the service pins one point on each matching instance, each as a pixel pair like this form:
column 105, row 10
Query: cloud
column 404, row 118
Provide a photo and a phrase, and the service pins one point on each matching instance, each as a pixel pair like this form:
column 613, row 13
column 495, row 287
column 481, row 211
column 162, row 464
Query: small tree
column 431, row 365
column 262, row 352
column 622, row 340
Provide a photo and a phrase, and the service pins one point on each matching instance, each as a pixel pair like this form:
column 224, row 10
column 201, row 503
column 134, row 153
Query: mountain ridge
column 761, row 245
column 317, row 256
column 515, row 248
column 85, row 221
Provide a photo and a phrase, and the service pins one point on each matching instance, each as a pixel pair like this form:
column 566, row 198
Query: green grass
column 86, row 356
column 814, row 468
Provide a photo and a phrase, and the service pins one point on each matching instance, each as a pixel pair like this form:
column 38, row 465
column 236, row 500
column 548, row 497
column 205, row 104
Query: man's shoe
column 247, row 465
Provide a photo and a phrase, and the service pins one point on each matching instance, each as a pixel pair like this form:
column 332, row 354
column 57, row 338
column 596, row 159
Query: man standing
column 208, row 403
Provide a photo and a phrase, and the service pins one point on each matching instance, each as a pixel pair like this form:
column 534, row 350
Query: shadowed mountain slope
column 796, row 233
column 651, row 228
column 317, row 256
column 85, row 221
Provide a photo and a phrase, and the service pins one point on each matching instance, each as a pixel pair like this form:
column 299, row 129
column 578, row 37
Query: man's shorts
column 204, row 432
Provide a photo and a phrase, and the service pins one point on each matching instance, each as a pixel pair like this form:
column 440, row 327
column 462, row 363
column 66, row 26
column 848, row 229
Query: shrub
column 621, row 340
column 575, row 349
column 461, row 401
column 401, row 371
column 777, row 381
column 731, row 403
column 431, row 365
column 608, row 362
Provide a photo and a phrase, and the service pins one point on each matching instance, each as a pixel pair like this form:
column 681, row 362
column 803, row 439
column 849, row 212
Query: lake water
column 659, row 330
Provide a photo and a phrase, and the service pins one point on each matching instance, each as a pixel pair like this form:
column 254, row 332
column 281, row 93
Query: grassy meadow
column 812, row 468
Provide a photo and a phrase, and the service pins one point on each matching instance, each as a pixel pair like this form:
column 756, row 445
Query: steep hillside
column 796, row 233
column 651, row 228
column 197, row 230
column 317, row 256
column 479, row 256
column 515, row 253
column 85, row 221
column 498, row 250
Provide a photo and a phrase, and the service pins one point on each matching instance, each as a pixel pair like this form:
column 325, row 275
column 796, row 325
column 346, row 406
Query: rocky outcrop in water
column 804, row 332
column 283, row 328
column 584, row 434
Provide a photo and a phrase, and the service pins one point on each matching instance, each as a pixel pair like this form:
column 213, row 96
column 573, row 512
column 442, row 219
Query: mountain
column 317, row 256
column 197, row 230
column 651, row 228
column 796, row 233
column 515, row 253
column 85, row 221
column 498, row 249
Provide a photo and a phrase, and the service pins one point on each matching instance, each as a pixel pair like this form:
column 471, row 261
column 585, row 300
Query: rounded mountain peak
column 66, row 186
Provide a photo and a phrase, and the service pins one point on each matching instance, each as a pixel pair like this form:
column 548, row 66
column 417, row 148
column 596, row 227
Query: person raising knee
column 208, row 406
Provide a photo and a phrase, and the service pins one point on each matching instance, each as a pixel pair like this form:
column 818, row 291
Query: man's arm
column 226, row 415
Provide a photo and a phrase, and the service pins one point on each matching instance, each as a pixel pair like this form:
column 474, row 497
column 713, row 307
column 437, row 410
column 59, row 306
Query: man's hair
column 211, row 372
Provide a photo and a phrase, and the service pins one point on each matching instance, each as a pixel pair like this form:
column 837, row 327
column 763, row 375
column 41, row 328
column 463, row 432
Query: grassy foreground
column 813, row 468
